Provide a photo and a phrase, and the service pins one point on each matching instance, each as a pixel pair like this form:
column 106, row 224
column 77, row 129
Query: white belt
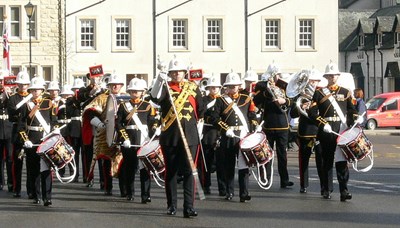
column 76, row 118
column 33, row 128
column 237, row 128
column 4, row 117
column 64, row 121
column 132, row 127
column 333, row 119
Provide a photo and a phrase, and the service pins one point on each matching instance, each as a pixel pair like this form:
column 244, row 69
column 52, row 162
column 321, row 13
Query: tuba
column 299, row 85
column 276, row 92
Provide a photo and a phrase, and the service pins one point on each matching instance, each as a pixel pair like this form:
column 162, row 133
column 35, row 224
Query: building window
column 378, row 39
column 122, row 34
column 214, row 33
column 1, row 18
column 271, row 34
column 47, row 73
column 361, row 40
column 15, row 21
column 306, row 34
column 87, row 34
column 179, row 34
column 122, row 37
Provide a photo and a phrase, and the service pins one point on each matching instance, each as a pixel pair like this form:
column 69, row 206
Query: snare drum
column 354, row 144
column 151, row 156
column 56, row 152
column 255, row 149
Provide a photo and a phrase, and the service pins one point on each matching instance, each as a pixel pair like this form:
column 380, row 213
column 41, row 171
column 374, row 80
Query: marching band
column 178, row 126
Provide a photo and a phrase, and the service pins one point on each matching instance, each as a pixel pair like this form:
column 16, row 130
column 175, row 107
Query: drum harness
column 238, row 113
column 335, row 105
column 133, row 113
column 39, row 117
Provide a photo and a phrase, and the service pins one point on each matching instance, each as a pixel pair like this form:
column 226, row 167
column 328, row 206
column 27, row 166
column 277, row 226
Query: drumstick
column 357, row 120
column 46, row 136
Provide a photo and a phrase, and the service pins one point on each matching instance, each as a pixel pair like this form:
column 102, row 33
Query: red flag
column 6, row 47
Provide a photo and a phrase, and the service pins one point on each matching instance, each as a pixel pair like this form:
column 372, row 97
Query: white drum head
column 252, row 140
column 348, row 136
column 49, row 143
column 148, row 148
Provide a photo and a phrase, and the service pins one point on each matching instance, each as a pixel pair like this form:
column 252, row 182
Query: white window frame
column 19, row 22
column 313, row 45
column 361, row 38
column 171, row 46
column 379, row 37
column 130, row 40
column 80, row 48
column 264, row 47
column 206, row 46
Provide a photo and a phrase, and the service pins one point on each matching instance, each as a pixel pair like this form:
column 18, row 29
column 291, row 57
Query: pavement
column 383, row 131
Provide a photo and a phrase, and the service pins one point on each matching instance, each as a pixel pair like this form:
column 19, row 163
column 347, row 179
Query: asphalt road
column 375, row 202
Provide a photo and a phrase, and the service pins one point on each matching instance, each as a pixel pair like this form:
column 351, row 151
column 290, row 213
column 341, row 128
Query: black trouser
column 328, row 146
column 76, row 143
column 145, row 184
column 106, row 167
column 41, row 182
column 87, row 157
column 175, row 158
column 279, row 138
column 205, row 175
column 230, row 157
column 306, row 147
column 128, row 170
column 6, row 146
column 219, row 163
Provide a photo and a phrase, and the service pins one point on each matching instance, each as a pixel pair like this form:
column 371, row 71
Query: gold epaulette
column 223, row 125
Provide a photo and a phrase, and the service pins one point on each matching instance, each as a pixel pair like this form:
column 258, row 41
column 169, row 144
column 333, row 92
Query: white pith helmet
column 37, row 83
column 22, row 78
column 232, row 79
column 53, row 85
column 66, row 90
column 78, row 83
column 137, row 84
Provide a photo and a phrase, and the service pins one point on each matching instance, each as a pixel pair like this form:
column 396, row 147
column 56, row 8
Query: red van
column 383, row 111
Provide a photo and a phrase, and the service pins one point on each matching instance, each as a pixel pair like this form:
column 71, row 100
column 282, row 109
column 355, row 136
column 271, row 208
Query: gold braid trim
column 187, row 90
column 124, row 134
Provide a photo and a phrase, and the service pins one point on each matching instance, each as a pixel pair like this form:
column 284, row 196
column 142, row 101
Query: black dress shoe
column 286, row 184
column 147, row 200
column 171, row 210
column 190, row 212
column 326, row 195
column 129, row 198
column 17, row 195
column 108, row 193
column 229, row 196
column 245, row 198
column 222, row 194
column 10, row 188
column 1, row 187
column 30, row 196
column 36, row 201
column 207, row 191
column 345, row 196
column 47, row 203
column 303, row 190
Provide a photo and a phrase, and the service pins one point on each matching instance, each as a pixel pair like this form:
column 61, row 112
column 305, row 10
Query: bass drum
column 111, row 109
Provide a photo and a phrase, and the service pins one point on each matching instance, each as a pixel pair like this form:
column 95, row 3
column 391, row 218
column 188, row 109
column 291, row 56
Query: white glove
column 96, row 122
column 327, row 128
column 56, row 131
column 126, row 143
column 360, row 120
column 259, row 128
column 158, row 131
column 162, row 76
column 28, row 144
column 229, row 133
